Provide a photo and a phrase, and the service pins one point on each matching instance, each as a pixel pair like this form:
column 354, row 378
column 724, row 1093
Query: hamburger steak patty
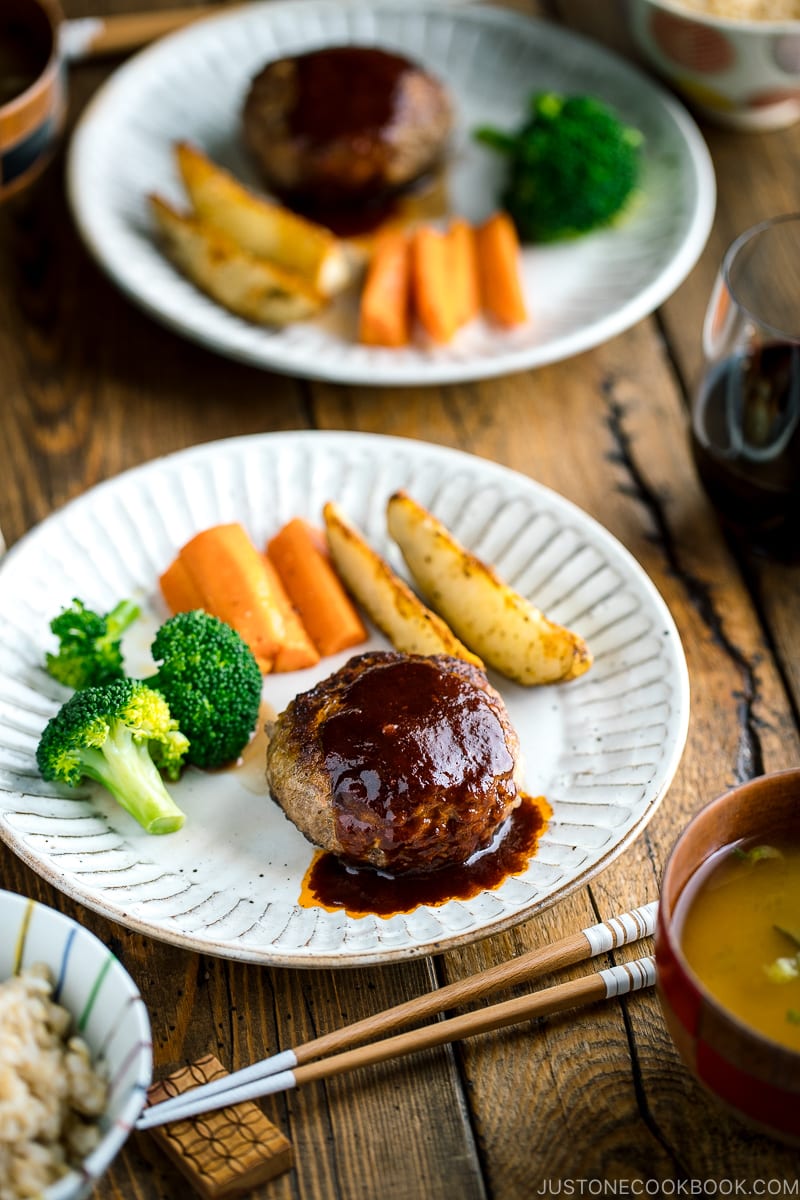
column 347, row 124
column 399, row 761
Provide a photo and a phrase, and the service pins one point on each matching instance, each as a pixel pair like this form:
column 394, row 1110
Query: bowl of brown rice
column 75, row 1054
column 736, row 62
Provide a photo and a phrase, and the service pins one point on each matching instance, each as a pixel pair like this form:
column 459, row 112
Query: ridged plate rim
column 602, row 791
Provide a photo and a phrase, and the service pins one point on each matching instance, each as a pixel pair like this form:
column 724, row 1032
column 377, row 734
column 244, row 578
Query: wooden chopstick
column 92, row 37
column 597, row 939
column 602, row 985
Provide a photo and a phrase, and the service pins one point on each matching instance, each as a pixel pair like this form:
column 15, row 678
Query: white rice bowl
column 89, row 1074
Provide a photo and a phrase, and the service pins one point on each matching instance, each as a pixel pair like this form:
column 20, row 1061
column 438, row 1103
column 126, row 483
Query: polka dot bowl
column 736, row 71
column 108, row 1014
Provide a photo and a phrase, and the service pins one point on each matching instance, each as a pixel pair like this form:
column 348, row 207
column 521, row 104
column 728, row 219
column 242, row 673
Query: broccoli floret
column 212, row 683
column 89, row 652
column 120, row 734
column 573, row 165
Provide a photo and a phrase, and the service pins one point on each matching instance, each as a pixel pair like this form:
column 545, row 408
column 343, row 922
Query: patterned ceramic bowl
column 736, row 71
column 32, row 89
column 109, row 1014
column 756, row 1077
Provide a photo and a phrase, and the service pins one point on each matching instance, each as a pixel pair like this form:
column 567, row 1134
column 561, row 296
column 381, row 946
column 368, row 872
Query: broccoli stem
column 121, row 616
column 124, row 766
column 505, row 143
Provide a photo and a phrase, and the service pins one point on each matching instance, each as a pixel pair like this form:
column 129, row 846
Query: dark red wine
column 745, row 439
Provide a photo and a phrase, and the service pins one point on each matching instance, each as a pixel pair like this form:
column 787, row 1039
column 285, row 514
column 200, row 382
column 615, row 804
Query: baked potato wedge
column 503, row 627
column 248, row 286
column 387, row 599
column 262, row 228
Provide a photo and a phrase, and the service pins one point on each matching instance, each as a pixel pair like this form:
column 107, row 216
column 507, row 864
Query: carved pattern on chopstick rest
column 223, row 1153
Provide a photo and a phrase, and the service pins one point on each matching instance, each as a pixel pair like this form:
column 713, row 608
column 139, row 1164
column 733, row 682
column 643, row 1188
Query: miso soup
column 738, row 921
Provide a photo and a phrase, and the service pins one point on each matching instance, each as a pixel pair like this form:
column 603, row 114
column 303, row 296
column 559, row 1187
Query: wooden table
column 90, row 386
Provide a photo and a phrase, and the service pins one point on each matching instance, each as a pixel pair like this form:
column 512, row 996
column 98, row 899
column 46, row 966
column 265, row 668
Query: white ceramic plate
column 191, row 86
column 603, row 749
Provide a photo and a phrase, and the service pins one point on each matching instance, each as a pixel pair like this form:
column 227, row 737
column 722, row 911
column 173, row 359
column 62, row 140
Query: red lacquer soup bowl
column 753, row 1072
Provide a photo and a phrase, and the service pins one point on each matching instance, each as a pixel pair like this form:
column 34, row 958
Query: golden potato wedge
column 386, row 598
column 248, row 286
column 261, row 227
column 504, row 627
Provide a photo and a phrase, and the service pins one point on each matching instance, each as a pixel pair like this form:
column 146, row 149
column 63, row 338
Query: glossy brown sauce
column 347, row 92
column 418, row 762
column 346, row 221
column 331, row 884
column 425, row 199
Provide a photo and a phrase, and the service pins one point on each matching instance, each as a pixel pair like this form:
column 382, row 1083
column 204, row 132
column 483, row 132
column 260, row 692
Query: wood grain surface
column 91, row 386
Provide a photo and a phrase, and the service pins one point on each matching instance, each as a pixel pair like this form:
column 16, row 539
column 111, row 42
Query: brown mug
column 36, row 45
column 33, row 93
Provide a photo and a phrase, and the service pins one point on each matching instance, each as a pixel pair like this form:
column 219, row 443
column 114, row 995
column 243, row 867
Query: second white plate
column 602, row 749
column 191, row 87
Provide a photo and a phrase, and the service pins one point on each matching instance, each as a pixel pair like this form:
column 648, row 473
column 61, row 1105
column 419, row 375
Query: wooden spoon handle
column 93, row 37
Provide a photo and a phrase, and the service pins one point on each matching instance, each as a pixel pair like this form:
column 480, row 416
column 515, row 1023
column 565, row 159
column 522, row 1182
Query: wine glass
column 745, row 427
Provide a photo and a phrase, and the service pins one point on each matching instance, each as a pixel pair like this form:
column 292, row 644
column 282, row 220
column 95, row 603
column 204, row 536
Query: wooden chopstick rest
column 223, row 1153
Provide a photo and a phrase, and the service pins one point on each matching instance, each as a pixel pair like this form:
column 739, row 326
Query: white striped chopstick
column 290, row 1068
column 83, row 38
column 602, row 985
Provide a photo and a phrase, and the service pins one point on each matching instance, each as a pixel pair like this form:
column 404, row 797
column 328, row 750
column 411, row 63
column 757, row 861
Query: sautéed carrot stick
column 384, row 306
column 178, row 588
column 230, row 575
column 464, row 270
column 314, row 588
column 498, row 264
column 432, row 283
column 297, row 649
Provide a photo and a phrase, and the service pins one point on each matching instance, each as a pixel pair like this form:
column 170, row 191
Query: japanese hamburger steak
column 402, row 762
column 344, row 126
